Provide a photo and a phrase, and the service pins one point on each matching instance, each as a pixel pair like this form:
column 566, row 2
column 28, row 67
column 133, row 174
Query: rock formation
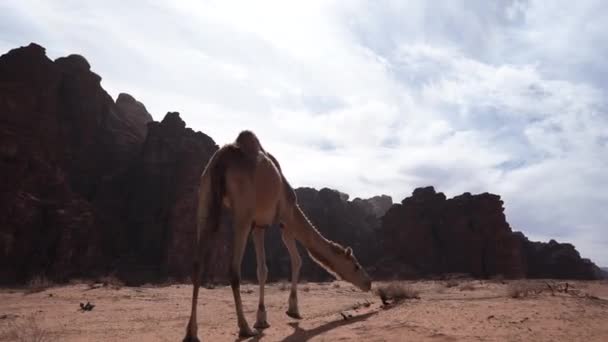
column 428, row 235
column 90, row 185
column 93, row 186
column 377, row 205
column 63, row 139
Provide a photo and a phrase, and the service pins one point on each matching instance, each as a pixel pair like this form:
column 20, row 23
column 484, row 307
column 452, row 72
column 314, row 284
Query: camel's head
column 349, row 269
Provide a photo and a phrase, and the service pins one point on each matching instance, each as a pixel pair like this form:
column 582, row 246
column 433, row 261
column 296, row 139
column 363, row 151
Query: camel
column 244, row 179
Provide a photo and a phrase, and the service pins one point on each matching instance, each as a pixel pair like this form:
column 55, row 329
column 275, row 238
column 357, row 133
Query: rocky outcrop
column 377, row 205
column 163, row 196
column 134, row 114
column 63, row 143
column 557, row 260
column 92, row 186
column 428, row 234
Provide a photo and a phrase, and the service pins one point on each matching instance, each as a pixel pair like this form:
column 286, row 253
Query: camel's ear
column 349, row 251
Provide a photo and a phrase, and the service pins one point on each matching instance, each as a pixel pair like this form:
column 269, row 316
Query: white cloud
column 373, row 97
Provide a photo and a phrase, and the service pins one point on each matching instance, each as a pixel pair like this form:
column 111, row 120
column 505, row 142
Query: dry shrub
column 451, row 283
column 111, row 281
column 335, row 285
column 396, row 292
column 209, row 285
column 306, row 288
column 27, row 330
column 499, row 278
column 78, row 281
column 358, row 305
column 467, row 287
column 283, row 286
column 38, row 283
column 522, row 289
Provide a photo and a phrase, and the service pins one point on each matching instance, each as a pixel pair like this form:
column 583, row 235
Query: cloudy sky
column 373, row 97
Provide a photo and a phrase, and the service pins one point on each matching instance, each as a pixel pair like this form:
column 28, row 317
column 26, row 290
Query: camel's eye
column 357, row 267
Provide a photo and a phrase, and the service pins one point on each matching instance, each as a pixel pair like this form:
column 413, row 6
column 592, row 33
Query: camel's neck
column 319, row 248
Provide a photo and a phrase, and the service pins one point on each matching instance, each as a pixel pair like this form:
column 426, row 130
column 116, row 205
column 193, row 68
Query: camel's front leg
column 241, row 231
column 260, row 254
column 296, row 263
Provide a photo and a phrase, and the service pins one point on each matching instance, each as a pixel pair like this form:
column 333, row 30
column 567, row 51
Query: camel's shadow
column 300, row 334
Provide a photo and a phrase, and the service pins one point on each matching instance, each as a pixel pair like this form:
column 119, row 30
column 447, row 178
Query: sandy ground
column 468, row 310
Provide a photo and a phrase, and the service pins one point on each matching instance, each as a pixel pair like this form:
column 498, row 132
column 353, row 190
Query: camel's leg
column 296, row 263
column 260, row 255
column 241, row 231
column 191, row 330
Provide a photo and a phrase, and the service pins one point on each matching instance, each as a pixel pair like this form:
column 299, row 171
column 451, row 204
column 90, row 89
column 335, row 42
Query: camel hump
column 248, row 142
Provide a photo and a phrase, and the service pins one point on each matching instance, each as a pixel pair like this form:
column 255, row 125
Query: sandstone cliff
column 93, row 186
column 428, row 235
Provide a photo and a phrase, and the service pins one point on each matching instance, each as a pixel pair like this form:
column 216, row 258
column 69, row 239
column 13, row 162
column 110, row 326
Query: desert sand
column 463, row 310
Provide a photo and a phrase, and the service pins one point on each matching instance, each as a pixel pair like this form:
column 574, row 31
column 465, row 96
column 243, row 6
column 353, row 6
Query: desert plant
column 111, row 281
column 467, row 287
column 396, row 292
column 209, row 286
column 522, row 289
column 283, row 286
column 451, row 283
column 498, row 278
column 27, row 330
column 38, row 283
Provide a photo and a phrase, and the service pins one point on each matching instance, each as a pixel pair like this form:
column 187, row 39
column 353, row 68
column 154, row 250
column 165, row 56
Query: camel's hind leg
column 203, row 244
column 296, row 262
column 191, row 330
column 241, row 232
column 260, row 254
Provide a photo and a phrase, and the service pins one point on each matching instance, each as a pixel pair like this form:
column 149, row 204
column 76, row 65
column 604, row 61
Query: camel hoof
column 191, row 339
column 261, row 325
column 244, row 333
column 295, row 315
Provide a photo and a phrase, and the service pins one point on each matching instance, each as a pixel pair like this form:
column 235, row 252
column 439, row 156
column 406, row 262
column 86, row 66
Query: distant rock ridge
column 377, row 205
column 428, row 234
column 93, row 186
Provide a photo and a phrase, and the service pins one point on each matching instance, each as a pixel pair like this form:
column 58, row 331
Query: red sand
column 483, row 312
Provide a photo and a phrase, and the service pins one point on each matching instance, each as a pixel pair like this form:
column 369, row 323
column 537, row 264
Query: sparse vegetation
column 451, row 283
column 335, row 285
column 522, row 289
column 77, row 281
column 358, row 305
column 396, row 292
column 27, row 330
column 38, row 283
column 283, row 286
column 467, row 287
column 209, row 286
column 499, row 278
column 111, row 281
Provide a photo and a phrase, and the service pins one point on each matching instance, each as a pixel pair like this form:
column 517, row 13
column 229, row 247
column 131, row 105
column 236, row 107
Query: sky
column 373, row 97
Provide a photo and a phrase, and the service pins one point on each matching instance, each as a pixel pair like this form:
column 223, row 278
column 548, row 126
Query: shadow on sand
column 300, row 334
